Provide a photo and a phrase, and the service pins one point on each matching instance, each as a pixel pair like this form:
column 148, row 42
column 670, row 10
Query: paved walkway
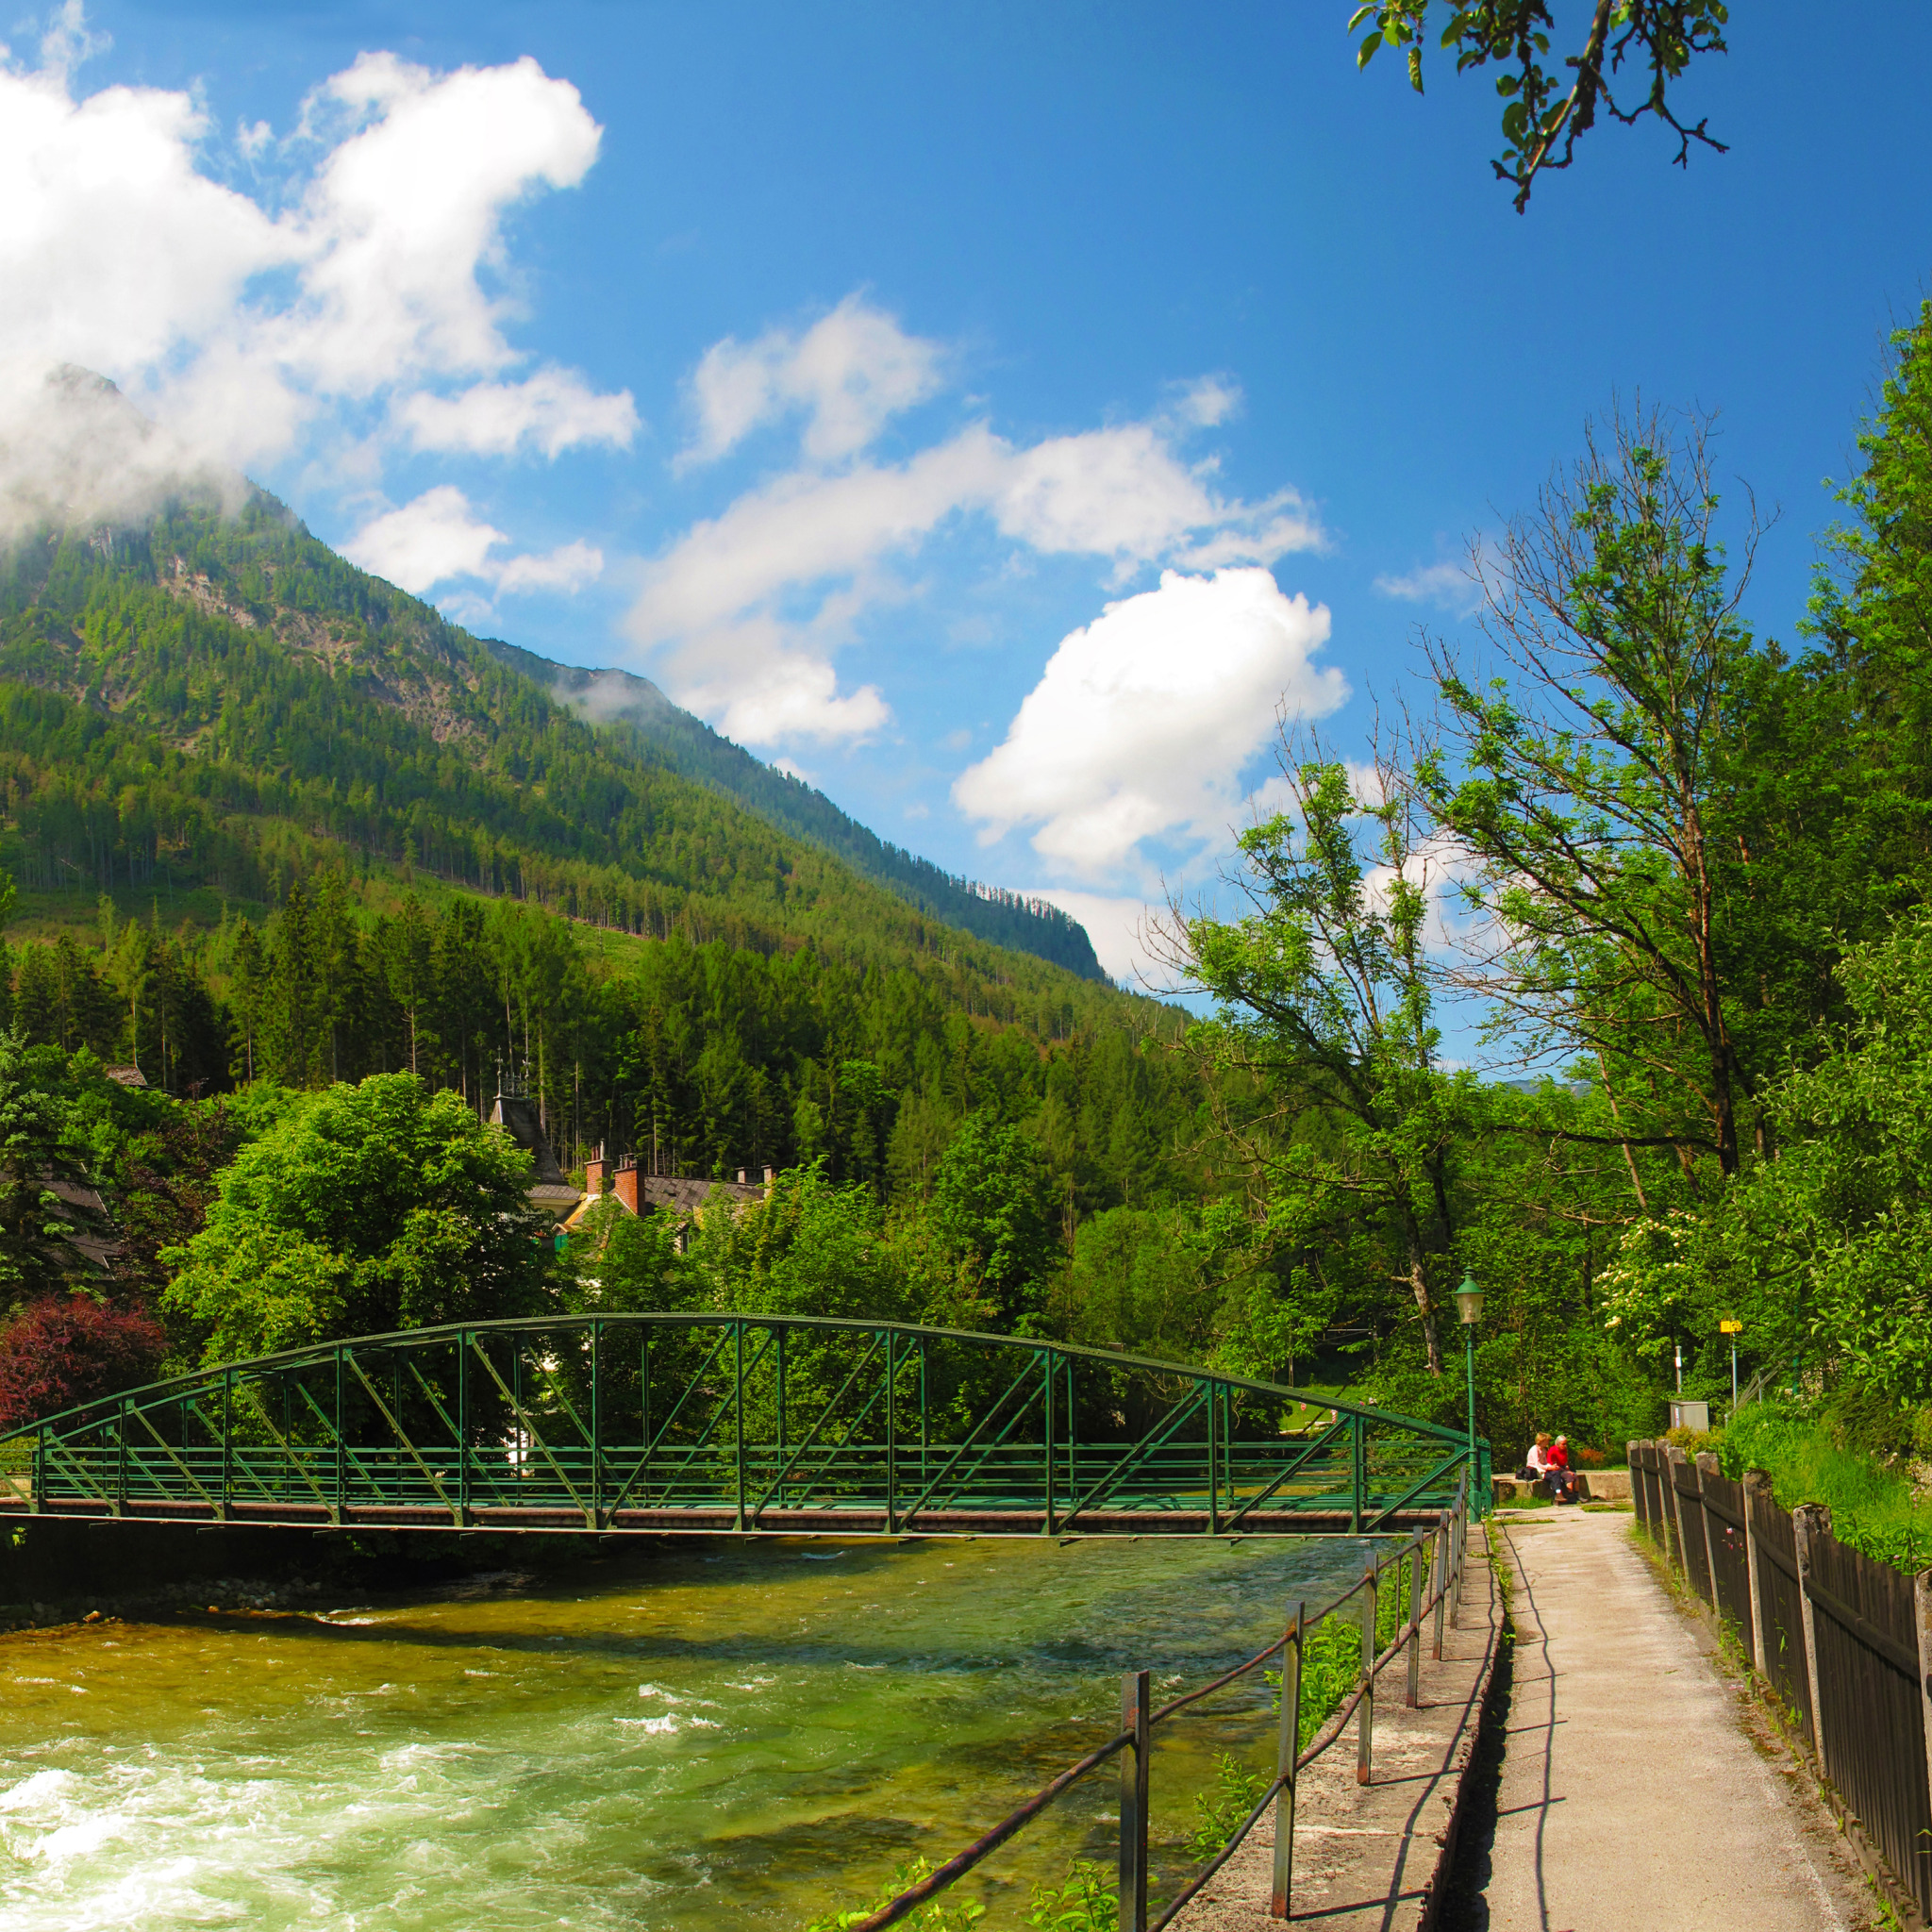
column 1634, row 1797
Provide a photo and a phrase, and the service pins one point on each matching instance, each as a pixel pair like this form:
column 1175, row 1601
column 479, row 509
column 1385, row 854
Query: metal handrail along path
column 1443, row 1546
column 745, row 1423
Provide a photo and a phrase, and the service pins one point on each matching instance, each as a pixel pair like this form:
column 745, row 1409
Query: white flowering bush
column 1650, row 1290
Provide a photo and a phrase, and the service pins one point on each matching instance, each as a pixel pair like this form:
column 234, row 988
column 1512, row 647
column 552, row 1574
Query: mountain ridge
column 613, row 699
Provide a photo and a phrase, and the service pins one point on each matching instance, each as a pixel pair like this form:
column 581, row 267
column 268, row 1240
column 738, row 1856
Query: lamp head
column 1469, row 1298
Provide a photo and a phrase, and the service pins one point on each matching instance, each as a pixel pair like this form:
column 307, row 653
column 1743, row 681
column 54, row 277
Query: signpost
column 1733, row 1328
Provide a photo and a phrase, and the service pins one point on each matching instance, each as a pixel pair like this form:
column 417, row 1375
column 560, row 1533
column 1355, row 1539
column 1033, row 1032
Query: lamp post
column 1469, row 1299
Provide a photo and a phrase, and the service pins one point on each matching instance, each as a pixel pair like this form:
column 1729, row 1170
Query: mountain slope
column 626, row 704
column 216, row 698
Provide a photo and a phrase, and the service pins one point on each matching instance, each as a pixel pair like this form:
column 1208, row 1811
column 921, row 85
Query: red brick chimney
column 626, row 1181
column 595, row 1171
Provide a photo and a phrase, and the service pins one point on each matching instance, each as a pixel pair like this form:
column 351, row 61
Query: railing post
column 37, row 1482
column 120, row 1459
column 1136, row 1705
column 1640, row 1499
column 1358, row 1474
column 1415, row 1623
column 1757, row 1485
column 892, row 1439
column 738, row 1410
column 1440, row 1567
column 1213, row 1475
column 1699, row 1462
column 1046, row 1372
column 645, row 1402
column 779, row 1484
column 1456, row 1536
column 1810, row 1520
column 463, row 1428
column 1673, row 1456
column 227, row 1441
column 342, row 1446
column 1286, row 1751
column 1922, row 1622
column 597, row 1426
column 1365, row 1731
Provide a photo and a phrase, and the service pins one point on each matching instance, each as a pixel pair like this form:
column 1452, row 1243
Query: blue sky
column 991, row 411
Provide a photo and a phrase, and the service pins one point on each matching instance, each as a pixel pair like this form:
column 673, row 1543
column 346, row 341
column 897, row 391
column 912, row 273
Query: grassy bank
column 1873, row 1506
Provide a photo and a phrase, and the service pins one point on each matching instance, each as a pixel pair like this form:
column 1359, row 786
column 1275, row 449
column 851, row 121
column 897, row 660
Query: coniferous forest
column 328, row 870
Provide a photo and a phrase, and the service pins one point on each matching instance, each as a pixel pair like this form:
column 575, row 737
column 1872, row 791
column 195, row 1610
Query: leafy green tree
column 1826, row 1253
column 811, row 1247
column 992, row 1205
column 1139, row 1282
column 370, row 1209
column 1323, row 994
column 630, row 1264
column 1544, row 117
column 33, row 1259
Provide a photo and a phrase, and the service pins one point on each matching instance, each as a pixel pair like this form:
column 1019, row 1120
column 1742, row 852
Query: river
column 706, row 1734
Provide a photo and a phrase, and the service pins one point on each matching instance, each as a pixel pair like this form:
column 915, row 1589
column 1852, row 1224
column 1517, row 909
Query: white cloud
column 1142, row 720
column 786, row 695
column 438, row 537
column 358, row 297
column 1117, row 926
column 1206, row 401
column 569, row 567
column 552, row 411
column 426, row 542
column 849, row 375
column 1451, row 585
column 780, row 577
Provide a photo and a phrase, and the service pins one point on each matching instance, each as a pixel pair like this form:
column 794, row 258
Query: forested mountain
column 220, row 700
column 633, row 706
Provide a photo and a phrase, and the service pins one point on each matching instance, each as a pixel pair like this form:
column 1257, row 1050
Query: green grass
column 1872, row 1504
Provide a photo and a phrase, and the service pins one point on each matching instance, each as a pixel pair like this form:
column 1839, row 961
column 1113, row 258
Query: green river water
column 706, row 1735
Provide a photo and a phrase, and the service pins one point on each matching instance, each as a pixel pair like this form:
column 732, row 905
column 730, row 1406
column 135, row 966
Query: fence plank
column 1693, row 1554
column 1725, row 1540
column 1780, row 1605
column 1755, row 1484
column 1870, row 1704
column 1809, row 1520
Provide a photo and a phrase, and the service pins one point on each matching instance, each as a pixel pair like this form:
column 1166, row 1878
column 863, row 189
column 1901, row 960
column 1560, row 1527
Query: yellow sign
column 1730, row 1328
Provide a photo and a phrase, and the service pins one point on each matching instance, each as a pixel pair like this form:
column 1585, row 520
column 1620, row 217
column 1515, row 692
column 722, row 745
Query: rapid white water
column 717, row 1734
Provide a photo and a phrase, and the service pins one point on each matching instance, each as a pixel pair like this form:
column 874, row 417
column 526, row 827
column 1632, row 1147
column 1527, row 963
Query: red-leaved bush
column 66, row 1349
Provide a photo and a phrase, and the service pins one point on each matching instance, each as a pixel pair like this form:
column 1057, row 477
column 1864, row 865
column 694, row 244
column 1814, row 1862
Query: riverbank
column 1374, row 1858
column 60, row 1569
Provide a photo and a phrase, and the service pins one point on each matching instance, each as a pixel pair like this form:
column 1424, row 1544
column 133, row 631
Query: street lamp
column 1469, row 1298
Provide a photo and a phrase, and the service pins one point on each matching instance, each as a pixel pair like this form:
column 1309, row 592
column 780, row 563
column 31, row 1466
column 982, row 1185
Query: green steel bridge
column 734, row 1423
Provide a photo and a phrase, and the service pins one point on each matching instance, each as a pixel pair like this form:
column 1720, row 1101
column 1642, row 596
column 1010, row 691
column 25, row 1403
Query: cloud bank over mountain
column 354, row 304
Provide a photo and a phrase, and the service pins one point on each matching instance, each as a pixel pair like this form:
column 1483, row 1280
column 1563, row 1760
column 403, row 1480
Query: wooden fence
column 1846, row 1643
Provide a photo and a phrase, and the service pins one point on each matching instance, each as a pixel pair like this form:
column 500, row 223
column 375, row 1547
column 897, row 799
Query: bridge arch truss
column 747, row 1423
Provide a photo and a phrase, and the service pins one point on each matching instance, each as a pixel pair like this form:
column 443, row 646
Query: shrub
column 64, row 1350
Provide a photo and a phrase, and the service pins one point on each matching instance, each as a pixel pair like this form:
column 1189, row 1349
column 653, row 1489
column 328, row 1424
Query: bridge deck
column 723, row 1522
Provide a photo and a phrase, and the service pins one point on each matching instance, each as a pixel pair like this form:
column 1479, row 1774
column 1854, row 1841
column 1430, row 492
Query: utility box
column 1689, row 1415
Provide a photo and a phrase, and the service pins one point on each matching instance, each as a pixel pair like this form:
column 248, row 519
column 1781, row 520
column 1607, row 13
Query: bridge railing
column 736, row 1421
column 1428, row 1571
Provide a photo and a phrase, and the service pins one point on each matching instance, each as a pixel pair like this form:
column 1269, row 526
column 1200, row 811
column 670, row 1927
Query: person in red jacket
column 1562, row 1482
